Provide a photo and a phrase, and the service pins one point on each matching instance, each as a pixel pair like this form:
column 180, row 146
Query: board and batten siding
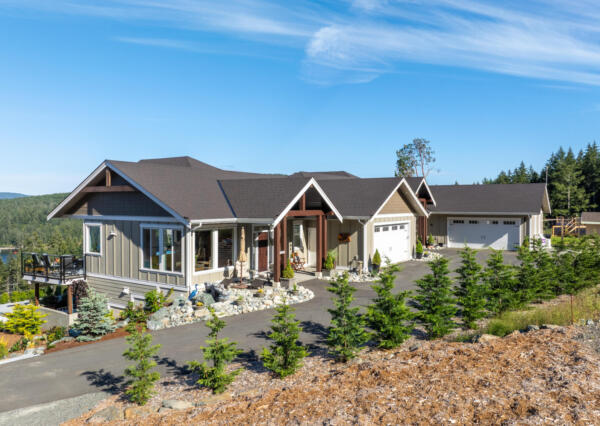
column 118, row 266
column 345, row 252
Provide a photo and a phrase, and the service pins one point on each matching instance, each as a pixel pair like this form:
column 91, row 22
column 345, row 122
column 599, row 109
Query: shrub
column 4, row 298
column 545, row 271
column 347, row 331
column 221, row 352
column 526, row 283
column 133, row 313
column 93, row 320
column 288, row 271
column 55, row 333
column 24, row 319
column 329, row 262
column 286, row 354
column 434, row 299
column 388, row 315
column 376, row 259
column 141, row 386
column 470, row 293
column 20, row 345
column 430, row 240
column 3, row 348
column 419, row 247
column 155, row 300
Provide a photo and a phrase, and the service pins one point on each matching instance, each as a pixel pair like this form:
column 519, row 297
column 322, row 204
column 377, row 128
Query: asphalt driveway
column 99, row 367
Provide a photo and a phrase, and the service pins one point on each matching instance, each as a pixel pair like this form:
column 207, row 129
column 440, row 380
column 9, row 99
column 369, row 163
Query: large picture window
column 93, row 239
column 213, row 249
column 161, row 249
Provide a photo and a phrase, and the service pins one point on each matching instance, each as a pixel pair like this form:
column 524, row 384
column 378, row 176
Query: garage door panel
column 500, row 233
column 393, row 241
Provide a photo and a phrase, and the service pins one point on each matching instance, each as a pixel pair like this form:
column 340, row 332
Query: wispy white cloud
column 555, row 40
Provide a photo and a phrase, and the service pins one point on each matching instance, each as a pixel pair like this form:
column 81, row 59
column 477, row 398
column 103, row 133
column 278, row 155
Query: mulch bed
column 10, row 339
column 120, row 332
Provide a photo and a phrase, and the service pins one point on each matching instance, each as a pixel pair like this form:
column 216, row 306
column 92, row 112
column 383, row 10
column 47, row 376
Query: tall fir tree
column 545, row 271
column 499, row 281
column 470, row 292
column 286, row 354
column 347, row 332
column 93, row 317
column 141, row 385
column 589, row 162
column 434, row 299
column 389, row 316
column 220, row 352
column 526, row 280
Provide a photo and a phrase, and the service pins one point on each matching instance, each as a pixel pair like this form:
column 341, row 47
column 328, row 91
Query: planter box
column 419, row 255
column 330, row 273
column 288, row 283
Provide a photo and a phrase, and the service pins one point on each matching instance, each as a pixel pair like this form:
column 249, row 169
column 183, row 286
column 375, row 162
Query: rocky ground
column 548, row 376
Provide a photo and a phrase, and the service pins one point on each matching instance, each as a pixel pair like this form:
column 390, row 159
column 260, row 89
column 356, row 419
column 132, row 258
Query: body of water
column 5, row 256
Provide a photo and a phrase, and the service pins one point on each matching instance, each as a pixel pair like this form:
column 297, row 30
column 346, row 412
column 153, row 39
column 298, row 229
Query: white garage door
column 498, row 233
column 393, row 241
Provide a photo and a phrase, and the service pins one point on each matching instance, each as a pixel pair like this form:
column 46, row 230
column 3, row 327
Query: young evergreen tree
column 347, row 331
column 93, row 317
column 499, row 281
column 286, row 354
column 389, row 316
column 24, row 319
column 545, row 271
column 526, row 282
column 434, row 299
column 220, row 352
column 141, row 385
column 470, row 292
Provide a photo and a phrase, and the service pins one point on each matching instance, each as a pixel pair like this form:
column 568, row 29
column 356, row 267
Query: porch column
column 319, row 243
column 37, row 294
column 423, row 227
column 284, row 241
column 276, row 255
column 70, row 299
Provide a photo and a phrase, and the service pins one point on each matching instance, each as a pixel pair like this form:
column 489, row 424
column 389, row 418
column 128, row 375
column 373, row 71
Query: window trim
column 87, row 226
column 160, row 238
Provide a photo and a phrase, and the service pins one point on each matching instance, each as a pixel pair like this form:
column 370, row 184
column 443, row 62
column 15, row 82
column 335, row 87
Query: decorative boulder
column 205, row 298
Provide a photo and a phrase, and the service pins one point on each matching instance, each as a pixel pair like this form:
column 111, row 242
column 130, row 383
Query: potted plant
column 294, row 290
column 430, row 241
column 287, row 277
column 419, row 249
column 259, row 293
column 376, row 262
column 329, row 265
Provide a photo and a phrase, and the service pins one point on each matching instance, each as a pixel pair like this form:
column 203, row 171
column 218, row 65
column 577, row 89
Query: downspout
column 365, row 256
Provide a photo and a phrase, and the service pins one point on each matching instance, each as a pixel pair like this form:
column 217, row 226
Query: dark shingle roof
column 498, row 198
column 324, row 175
column 414, row 182
column 358, row 197
column 261, row 198
column 590, row 217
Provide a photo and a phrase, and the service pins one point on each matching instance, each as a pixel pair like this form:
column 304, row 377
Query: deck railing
column 51, row 267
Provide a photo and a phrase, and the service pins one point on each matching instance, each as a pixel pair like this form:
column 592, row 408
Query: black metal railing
column 49, row 266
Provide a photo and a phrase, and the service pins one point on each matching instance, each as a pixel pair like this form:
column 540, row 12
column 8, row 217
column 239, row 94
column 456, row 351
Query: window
column 225, row 245
column 510, row 222
column 458, row 221
column 213, row 249
column 93, row 239
column 378, row 229
column 203, row 250
column 494, row 222
column 161, row 249
column 385, row 229
column 473, row 222
column 394, row 227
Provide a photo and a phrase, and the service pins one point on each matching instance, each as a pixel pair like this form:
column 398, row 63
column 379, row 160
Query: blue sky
column 285, row 86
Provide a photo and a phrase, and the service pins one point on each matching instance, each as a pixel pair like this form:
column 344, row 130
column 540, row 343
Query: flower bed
column 229, row 301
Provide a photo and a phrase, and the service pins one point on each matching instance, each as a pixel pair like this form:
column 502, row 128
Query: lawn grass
column 586, row 305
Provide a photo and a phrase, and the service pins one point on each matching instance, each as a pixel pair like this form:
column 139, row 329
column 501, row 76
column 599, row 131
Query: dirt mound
column 539, row 377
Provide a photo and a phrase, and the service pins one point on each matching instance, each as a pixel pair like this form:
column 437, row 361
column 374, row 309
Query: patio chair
column 297, row 262
column 38, row 264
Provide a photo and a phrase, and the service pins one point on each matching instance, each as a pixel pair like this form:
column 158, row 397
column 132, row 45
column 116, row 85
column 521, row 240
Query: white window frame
column 214, row 247
column 86, row 234
column 160, row 243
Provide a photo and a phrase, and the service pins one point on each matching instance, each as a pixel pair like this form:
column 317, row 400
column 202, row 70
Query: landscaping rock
column 108, row 414
column 176, row 404
column 589, row 322
column 551, row 327
column 414, row 347
column 135, row 412
column 532, row 327
column 486, row 338
column 214, row 398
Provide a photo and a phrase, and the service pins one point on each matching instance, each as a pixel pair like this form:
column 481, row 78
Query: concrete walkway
column 99, row 367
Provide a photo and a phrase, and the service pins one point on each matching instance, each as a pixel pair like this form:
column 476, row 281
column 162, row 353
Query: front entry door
column 263, row 251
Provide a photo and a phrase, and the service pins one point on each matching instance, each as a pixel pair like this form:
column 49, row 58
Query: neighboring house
column 591, row 221
column 498, row 216
column 176, row 222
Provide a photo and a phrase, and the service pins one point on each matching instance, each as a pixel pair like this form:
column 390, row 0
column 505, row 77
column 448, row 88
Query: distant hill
column 23, row 224
column 7, row 195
